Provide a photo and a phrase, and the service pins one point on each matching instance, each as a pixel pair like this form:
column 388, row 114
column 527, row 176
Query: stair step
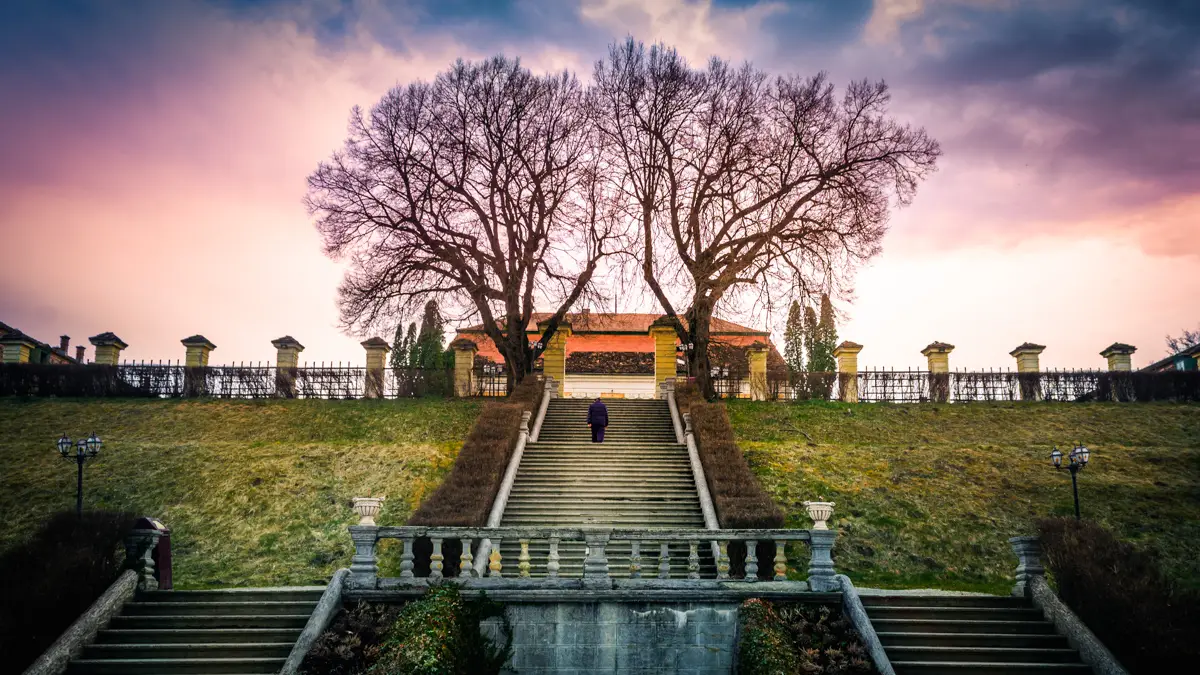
column 961, row 626
column 186, row 650
column 200, row 635
column 310, row 594
column 188, row 622
column 972, row 640
column 955, row 613
column 983, row 654
column 154, row 666
column 983, row 668
column 1001, row 601
column 217, row 608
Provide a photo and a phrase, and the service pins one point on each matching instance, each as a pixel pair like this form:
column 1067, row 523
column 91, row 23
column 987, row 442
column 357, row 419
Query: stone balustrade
column 650, row 561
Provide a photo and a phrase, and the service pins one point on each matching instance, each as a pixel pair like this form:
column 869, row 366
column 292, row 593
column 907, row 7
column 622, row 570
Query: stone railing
column 650, row 561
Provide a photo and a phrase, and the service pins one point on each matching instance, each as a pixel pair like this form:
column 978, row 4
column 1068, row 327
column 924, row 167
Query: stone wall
column 622, row 637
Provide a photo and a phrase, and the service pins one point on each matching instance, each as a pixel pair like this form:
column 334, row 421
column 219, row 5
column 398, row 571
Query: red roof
column 599, row 322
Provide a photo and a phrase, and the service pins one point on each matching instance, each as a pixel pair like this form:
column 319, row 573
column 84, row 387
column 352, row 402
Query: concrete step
column 973, row 640
column 200, row 635
column 173, row 666
column 984, row 668
column 682, row 481
column 930, row 612
column 185, row 650
column 217, row 608
column 310, row 594
column 999, row 601
column 962, row 626
column 188, row 622
column 605, row 492
column 983, row 654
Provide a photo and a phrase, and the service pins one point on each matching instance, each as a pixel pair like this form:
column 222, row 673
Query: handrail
column 506, row 485
column 674, row 407
column 706, row 502
column 852, row 605
column 581, row 533
column 57, row 656
column 548, row 390
column 1091, row 650
column 318, row 621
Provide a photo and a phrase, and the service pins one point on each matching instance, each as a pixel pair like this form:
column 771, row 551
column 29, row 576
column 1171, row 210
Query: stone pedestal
column 364, row 566
column 847, row 364
column 757, row 356
column 554, row 358
column 108, row 348
column 1029, row 562
column 287, row 359
column 195, row 361
column 464, row 365
column 377, row 349
column 139, row 549
column 663, row 334
column 1028, row 369
column 937, row 354
column 820, row 566
column 1119, row 356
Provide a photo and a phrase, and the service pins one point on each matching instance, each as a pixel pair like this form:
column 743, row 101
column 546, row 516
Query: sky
column 153, row 158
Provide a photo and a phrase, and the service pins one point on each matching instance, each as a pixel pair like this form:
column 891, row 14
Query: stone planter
column 819, row 512
column 367, row 508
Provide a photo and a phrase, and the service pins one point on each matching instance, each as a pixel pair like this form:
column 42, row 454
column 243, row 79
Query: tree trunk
column 518, row 363
column 699, row 318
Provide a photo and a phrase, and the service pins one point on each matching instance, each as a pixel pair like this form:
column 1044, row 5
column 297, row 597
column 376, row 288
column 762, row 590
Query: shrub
column 787, row 638
column 352, row 642
column 54, row 577
column 465, row 498
column 440, row 633
column 1148, row 623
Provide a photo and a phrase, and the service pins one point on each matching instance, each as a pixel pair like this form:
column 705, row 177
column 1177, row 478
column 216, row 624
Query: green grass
column 927, row 495
column 256, row 493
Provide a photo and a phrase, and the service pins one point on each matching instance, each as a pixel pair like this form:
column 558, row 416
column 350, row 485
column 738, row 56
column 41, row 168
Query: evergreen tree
column 428, row 346
column 824, row 339
column 793, row 339
column 810, row 333
column 409, row 348
column 399, row 352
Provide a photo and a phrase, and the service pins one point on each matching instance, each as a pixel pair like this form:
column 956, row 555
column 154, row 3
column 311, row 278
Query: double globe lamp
column 85, row 449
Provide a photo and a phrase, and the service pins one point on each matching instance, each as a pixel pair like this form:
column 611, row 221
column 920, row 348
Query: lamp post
column 1078, row 458
column 85, row 449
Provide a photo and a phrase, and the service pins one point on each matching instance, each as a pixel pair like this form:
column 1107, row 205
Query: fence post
column 464, row 365
column 554, row 357
column 664, row 336
column 377, row 349
column 847, row 364
column 195, row 382
column 287, row 358
column 1119, row 356
column 1028, row 370
column 108, row 348
column 938, row 356
column 757, row 354
column 1029, row 562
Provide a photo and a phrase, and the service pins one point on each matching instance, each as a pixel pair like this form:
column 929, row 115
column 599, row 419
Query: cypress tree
column 428, row 346
column 399, row 353
column 824, row 339
column 793, row 339
column 810, row 334
column 409, row 347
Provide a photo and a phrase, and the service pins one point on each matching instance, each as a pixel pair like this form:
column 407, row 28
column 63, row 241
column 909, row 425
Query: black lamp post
column 85, row 449
column 1078, row 458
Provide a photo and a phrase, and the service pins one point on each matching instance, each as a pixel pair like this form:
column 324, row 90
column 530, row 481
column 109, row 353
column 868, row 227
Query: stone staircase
column 638, row 478
column 967, row 635
column 223, row 631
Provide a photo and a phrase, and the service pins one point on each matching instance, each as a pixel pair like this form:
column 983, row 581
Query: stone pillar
column 464, row 365
column 554, row 358
column 364, row 565
column 377, row 349
column 108, row 348
column 820, row 565
column 195, row 380
column 663, row 333
column 1029, row 562
column 757, row 355
column 1118, row 355
column 287, row 359
column 17, row 347
column 847, row 363
column 938, row 356
column 1028, row 370
column 139, row 547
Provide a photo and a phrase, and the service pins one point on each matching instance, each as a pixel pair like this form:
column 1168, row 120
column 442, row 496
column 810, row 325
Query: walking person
column 598, row 419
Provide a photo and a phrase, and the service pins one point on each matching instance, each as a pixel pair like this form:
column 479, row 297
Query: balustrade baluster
column 751, row 560
column 664, row 561
column 693, row 559
column 635, row 559
column 406, row 559
column 552, row 562
column 723, row 560
column 466, row 561
column 780, row 561
column 523, row 561
column 495, row 564
column 435, row 560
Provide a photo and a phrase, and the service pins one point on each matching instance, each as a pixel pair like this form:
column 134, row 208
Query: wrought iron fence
column 489, row 379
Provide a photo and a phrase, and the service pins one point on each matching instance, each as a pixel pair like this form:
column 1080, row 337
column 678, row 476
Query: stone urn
column 819, row 512
column 367, row 508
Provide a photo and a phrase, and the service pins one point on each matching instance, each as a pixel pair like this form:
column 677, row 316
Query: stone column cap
column 376, row 343
column 759, row 346
column 936, row 347
column 197, row 341
column 564, row 326
column 1027, row 348
column 16, row 337
column 286, row 341
column 108, row 338
column 847, row 347
column 462, row 343
column 1118, row 348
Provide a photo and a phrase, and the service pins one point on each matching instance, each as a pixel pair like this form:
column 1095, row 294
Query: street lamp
column 85, row 449
column 1077, row 459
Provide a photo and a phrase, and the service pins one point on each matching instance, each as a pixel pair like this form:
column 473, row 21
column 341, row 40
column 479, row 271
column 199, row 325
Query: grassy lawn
column 927, row 495
column 256, row 492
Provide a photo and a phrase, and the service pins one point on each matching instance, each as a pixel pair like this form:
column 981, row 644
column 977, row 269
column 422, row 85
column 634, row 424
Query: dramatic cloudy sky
column 153, row 157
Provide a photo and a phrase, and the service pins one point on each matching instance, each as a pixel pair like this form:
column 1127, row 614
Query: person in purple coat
column 597, row 419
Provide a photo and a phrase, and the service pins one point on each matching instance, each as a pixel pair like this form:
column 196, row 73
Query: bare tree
column 738, row 181
column 479, row 189
column 1186, row 340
